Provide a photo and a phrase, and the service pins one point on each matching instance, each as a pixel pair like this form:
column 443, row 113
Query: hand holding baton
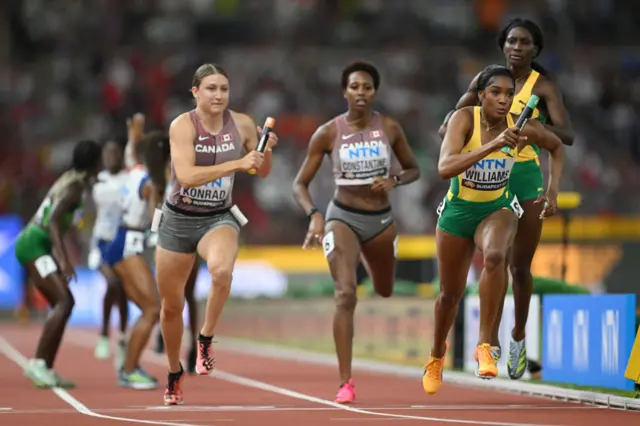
column 523, row 119
column 269, row 124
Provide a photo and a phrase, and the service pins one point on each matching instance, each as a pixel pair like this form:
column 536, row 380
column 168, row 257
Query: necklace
column 487, row 127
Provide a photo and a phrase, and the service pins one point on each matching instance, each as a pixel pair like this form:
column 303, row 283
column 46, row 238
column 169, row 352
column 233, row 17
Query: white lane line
column 206, row 409
column 458, row 379
column 18, row 358
column 232, row 378
column 83, row 339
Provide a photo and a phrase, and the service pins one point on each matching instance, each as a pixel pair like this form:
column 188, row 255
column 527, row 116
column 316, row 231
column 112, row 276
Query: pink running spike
column 173, row 392
column 206, row 360
column 346, row 393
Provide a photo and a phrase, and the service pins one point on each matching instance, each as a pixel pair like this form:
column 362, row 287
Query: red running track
column 254, row 390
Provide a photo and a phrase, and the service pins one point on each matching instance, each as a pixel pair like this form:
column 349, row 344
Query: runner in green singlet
column 480, row 211
column 521, row 41
column 40, row 248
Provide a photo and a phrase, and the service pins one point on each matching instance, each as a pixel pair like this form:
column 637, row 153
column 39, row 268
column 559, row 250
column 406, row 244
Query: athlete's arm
column 561, row 123
column 470, row 98
column 69, row 199
column 548, row 141
column 452, row 162
column 181, row 135
column 250, row 142
column 135, row 132
column 153, row 196
column 410, row 171
column 318, row 146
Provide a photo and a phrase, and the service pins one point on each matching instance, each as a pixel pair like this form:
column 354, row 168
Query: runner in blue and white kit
column 139, row 196
column 106, row 197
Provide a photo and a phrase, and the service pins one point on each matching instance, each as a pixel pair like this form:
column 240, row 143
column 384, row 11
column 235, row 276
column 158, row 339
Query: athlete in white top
column 106, row 196
column 138, row 197
column 134, row 206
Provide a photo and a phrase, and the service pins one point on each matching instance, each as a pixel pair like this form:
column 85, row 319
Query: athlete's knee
column 494, row 259
column 385, row 292
column 220, row 274
column 345, row 297
column 521, row 273
column 383, row 288
column 172, row 308
column 151, row 313
column 449, row 299
column 65, row 304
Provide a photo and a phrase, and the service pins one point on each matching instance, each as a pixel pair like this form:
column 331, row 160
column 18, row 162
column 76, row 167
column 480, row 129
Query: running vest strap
column 530, row 152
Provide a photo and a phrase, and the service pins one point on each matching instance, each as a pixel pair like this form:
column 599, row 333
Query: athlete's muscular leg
column 343, row 255
column 378, row 255
column 495, row 336
column 189, row 293
column 494, row 236
column 55, row 290
column 524, row 248
column 454, row 259
column 219, row 248
column 522, row 252
column 172, row 272
column 114, row 295
column 140, row 286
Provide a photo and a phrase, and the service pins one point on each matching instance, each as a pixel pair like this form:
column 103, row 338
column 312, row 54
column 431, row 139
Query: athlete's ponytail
column 539, row 68
column 86, row 156
column 155, row 155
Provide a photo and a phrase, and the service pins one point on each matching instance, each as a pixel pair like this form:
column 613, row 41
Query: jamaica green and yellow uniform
column 34, row 241
column 526, row 177
column 478, row 191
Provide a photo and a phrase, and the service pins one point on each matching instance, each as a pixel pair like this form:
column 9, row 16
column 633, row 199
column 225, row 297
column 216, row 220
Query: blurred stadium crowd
column 77, row 69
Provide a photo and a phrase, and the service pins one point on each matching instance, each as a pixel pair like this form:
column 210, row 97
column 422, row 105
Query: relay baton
column 527, row 112
column 269, row 124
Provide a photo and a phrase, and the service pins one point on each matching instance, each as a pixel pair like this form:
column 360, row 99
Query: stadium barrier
column 588, row 339
column 11, row 273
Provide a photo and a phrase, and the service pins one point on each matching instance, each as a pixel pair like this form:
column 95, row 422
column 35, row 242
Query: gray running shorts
column 365, row 224
column 182, row 232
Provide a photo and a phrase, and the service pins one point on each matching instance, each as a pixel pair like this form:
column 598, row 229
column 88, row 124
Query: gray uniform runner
column 357, row 158
column 190, row 213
